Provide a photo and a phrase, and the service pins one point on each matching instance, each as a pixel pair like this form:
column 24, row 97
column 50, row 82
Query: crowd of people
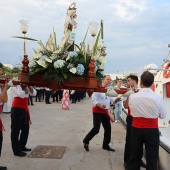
column 49, row 95
column 144, row 109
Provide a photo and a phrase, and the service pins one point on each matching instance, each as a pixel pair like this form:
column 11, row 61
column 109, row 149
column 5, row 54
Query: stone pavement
column 56, row 127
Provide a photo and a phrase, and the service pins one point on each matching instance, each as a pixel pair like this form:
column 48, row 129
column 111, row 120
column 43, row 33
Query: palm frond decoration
column 25, row 38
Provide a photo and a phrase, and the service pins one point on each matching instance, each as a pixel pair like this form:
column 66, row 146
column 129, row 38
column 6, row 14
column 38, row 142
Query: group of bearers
column 144, row 109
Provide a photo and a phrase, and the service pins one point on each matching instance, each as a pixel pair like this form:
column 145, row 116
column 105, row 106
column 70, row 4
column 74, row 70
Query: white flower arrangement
column 55, row 62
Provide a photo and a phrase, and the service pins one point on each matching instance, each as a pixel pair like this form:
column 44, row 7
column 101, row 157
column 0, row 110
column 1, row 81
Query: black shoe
column 25, row 149
column 3, row 168
column 126, row 166
column 142, row 164
column 21, row 154
column 108, row 148
column 86, row 147
column 32, row 104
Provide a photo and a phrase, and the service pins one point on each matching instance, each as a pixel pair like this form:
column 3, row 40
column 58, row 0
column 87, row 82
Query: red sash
column 1, row 125
column 141, row 122
column 129, row 112
column 22, row 103
column 99, row 110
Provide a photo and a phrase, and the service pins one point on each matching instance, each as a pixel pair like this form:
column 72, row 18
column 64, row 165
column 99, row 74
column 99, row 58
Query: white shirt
column 47, row 89
column 101, row 98
column 147, row 104
column 18, row 92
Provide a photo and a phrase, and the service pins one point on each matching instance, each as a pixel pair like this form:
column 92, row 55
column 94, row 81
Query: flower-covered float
column 66, row 65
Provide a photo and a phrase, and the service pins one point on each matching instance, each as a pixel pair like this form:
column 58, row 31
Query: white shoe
column 117, row 121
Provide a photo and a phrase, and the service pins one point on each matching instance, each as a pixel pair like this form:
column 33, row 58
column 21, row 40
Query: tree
column 8, row 72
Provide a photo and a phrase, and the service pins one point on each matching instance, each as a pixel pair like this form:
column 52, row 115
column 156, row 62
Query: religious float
column 66, row 65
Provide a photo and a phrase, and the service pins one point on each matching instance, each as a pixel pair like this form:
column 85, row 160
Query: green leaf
column 65, row 76
column 77, row 46
column 26, row 38
column 96, row 43
column 86, row 34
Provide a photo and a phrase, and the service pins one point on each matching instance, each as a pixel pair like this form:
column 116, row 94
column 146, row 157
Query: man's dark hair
column 133, row 77
column 105, row 76
column 147, row 78
column 1, row 65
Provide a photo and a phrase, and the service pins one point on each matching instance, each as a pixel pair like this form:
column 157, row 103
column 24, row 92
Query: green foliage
column 96, row 43
column 26, row 38
column 8, row 72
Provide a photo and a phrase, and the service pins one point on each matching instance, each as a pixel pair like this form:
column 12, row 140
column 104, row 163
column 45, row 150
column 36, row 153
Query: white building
column 119, row 75
column 9, row 66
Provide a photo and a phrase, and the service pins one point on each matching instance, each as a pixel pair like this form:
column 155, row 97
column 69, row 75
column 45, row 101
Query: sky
column 136, row 32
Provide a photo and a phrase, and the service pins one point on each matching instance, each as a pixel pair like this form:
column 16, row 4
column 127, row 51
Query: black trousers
column 1, row 139
column 99, row 118
column 38, row 96
column 55, row 96
column 42, row 91
column 47, row 96
column 74, row 97
column 19, row 130
column 128, row 137
column 30, row 100
column 149, row 137
column 60, row 93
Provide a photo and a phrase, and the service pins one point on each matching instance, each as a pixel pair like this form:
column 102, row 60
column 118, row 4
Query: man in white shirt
column 132, row 81
column 20, row 118
column 101, row 104
column 146, row 107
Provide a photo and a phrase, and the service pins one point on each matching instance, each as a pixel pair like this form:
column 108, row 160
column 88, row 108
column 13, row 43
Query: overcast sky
column 136, row 32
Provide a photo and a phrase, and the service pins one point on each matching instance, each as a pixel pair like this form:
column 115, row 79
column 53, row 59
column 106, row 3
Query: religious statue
column 69, row 26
